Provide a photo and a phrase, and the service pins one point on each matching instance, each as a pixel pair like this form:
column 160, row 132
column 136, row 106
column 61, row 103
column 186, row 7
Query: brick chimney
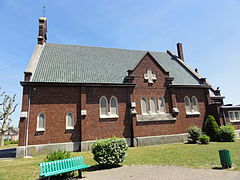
column 42, row 31
column 180, row 51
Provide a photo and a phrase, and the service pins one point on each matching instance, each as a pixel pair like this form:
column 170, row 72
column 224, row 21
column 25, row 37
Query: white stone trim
column 24, row 114
column 192, row 113
column 109, row 116
column 34, row 59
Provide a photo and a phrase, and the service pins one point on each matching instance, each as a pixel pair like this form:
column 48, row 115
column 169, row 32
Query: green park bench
column 62, row 166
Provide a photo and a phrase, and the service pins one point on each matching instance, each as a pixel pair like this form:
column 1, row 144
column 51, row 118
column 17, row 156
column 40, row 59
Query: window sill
column 192, row 113
column 69, row 128
column 109, row 117
column 233, row 121
column 149, row 114
column 40, row 129
column 155, row 117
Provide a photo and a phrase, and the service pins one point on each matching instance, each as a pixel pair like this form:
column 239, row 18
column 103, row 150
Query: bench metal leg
column 80, row 173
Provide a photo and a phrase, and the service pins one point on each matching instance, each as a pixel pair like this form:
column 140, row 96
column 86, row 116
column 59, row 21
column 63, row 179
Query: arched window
column 69, row 121
column 195, row 104
column 113, row 106
column 161, row 105
column 41, row 120
column 187, row 104
column 144, row 106
column 153, row 106
column 103, row 106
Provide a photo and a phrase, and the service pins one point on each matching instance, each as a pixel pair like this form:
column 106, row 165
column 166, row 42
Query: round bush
column 227, row 133
column 193, row 133
column 204, row 139
column 109, row 152
column 212, row 128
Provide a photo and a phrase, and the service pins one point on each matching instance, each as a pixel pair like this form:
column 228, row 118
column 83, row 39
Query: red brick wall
column 55, row 103
column 23, row 121
column 144, row 89
column 93, row 127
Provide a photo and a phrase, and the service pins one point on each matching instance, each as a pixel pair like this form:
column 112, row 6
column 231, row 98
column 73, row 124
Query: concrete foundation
column 237, row 134
column 86, row 145
column 46, row 148
column 164, row 139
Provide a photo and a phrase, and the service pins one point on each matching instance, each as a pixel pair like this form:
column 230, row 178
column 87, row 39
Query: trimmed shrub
column 6, row 142
column 109, row 152
column 204, row 139
column 14, row 142
column 227, row 133
column 212, row 128
column 57, row 155
column 193, row 134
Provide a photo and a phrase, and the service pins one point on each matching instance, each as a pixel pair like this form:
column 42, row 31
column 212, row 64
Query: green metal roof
column 82, row 64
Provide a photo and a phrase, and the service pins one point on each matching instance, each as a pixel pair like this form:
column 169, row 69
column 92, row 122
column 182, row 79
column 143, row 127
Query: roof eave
column 202, row 86
column 24, row 83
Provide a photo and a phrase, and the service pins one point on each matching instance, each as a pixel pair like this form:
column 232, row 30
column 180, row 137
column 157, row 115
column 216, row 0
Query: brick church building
column 73, row 95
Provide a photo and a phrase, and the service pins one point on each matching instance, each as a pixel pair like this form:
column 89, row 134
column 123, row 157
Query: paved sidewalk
column 161, row 173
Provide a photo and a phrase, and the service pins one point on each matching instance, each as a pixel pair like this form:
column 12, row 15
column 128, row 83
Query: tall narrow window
column 144, row 106
column 195, row 104
column 103, row 106
column 113, row 106
column 153, row 106
column 69, row 121
column 41, row 122
column 187, row 104
column 161, row 105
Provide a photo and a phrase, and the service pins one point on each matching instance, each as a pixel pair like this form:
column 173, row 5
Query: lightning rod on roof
column 44, row 8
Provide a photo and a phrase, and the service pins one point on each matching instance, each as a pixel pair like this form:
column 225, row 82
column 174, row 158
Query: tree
column 7, row 107
column 212, row 128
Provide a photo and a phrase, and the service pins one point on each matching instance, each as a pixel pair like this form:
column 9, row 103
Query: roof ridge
column 107, row 48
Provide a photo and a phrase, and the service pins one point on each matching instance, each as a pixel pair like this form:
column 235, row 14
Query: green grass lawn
column 188, row 155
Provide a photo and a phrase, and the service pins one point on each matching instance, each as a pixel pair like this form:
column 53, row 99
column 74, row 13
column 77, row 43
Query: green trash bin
column 225, row 158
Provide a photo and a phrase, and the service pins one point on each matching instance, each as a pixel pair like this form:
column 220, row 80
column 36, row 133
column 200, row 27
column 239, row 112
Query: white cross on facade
column 150, row 76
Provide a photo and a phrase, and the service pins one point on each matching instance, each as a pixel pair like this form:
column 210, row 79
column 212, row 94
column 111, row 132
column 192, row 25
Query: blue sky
column 209, row 31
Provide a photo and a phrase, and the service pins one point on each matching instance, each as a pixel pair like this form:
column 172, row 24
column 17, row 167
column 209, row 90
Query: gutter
column 191, row 86
column 24, row 83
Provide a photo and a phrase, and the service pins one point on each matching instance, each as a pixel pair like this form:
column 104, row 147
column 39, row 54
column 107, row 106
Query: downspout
column 28, row 117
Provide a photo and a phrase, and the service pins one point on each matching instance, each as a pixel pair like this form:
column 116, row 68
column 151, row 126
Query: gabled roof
column 81, row 64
